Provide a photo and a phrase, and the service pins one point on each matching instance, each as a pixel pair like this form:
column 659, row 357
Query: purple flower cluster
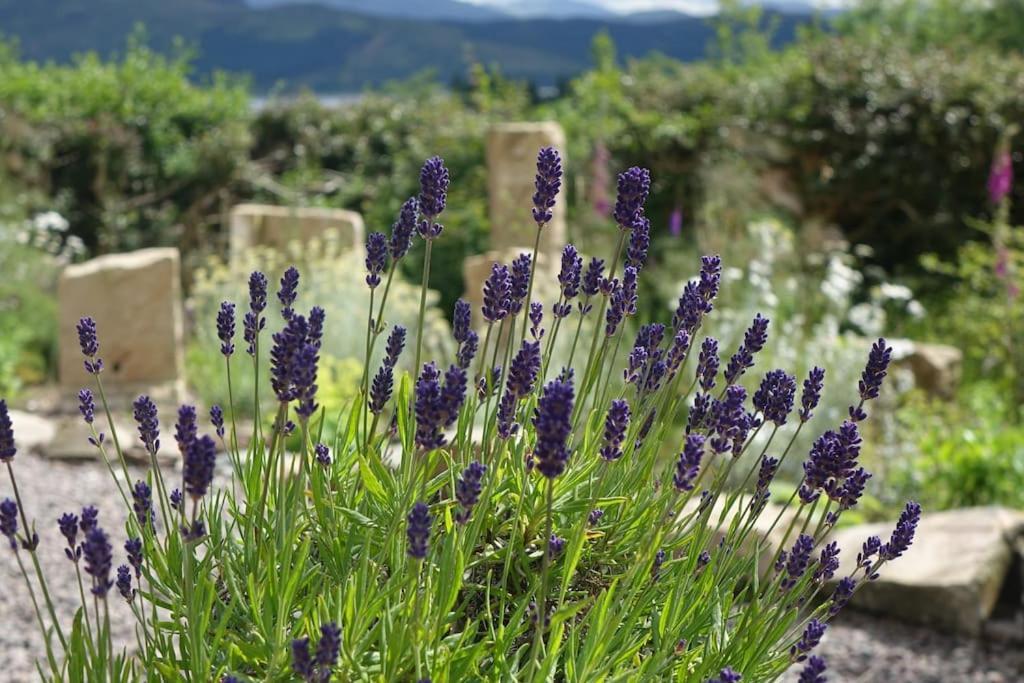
column 569, row 278
column 814, row 672
column 753, row 341
column 774, row 398
column 90, row 345
column 288, row 291
column 7, row 448
column 522, row 375
column 434, row 181
column 546, row 185
column 552, row 420
column 831, row 467
column 634, row 184
column 639, row 243
column 149, row 425
column 797, row 560
column 497, row 293
column 809, row 640
column 812, row 393
column 871, row 379
column 616, row 423
column 142, row 503
column 99, row 559
column 317, row 667
column 590, row 283
column 253, row 321
column 688, row 464
column 697, row 298
column 903, row 535
column 522, row 267
column 418, row 530
column 402, row 229
column 437, row 403
column 467, row 490
column 707, row 363
column 197, row 466
column 9, row 521
column 376, row 258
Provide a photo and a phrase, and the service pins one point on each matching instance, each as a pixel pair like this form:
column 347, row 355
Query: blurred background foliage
column 843, row 178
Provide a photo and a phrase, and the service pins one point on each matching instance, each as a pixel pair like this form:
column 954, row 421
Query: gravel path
column 859, row 648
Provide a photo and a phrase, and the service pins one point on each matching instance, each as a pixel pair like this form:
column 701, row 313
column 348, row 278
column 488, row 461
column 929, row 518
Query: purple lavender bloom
column 616, row 423
column 252, row 321
column 380, row 390
column 124, row 582
column 699, row 412
column 875, row 370
column 323, row 454
column 304, row 379
column 99, row 559
column 418, row 531
column 546, row 185
column 753, row 341
column 726, row 675
column 327, row 650
column 774, row 398
column 814, row 672
column 569, row 277
column 427, row 406
column 556, row 544
column 707, row 363
column 461, row 320
column 728, row 419
column 133, row 547
column 467, row 350
column 853, row 488
column 903, row 535
column 769, row 466
column 68, row 525
column 812, row 393
column 288, row 344
column 675, row 222
column 403, row 228
column 149, row 425
column 634, row 365
column 677, row 352
column 522, row 373
column 86, row 406
column 197, row 466
column 176, row 499
column 645, row 429
column 185, row 429
column 288, row 291
column 633, row 186
column 497, row 290
column 89, row 342
column 704, row 559
column 7, row 447
column 828, row 563
column 688, row 465
column 9, row 521
column 552, row 421
column 522, row 266
column 595, row 516
column 842, row 594
column 453, row 394
column 89, row 519
column 639, row 243
column 467, row 490
column 809, row 640
column 434, row 181
column 536, row 318
column 376, row 258
column 592, row 279
column 1000, row 178
column 316, row 326
column 142, row 503
column 217, row 419
column 870, row 548
column 302, row 662
column 226, row 327
column 623, row 301
column 798, row 558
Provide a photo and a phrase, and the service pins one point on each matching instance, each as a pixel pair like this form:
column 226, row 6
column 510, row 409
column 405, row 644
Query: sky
column 687, row 6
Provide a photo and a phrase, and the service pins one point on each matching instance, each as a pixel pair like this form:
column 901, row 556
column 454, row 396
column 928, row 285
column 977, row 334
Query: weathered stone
column 476, row 269
column 31, row 431
column 936, row 368
column 135, row 299
column 951, row 576
column 511, row 167
column 266, row 225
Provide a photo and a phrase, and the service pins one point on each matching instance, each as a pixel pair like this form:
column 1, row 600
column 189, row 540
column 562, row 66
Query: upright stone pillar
column 135, row 299
column 265, row 225
column 511, row 167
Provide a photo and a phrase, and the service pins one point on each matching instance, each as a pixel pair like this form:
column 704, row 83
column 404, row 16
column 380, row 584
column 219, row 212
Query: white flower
column 895, row 292
column 869, row 319
column 732, row 274
column 915, row 308
column 50, row 221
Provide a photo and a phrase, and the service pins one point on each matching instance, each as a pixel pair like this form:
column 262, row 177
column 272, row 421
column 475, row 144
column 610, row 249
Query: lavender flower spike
column 418, row 531
column 7, row 448
column 809, row 640
column 633, row 186
column 774, row 398
column 142, row 503
column 688, row 465
column 546, row 185
column 812, row 393
column 376, row 258
column 99, row 559
column 903, row 535
column 288, row 291
column 149, row 426
column 9, row 522
column 639, row 243
column 226, row 327
column 197, row 466
column 434, row 181
column 467, row 490
column 615, row 425
column 552, row 420
column 89, row 342
column 497, row 294
column 522, row 266
column 253, row 322
column 403, row 228
column 753, row 341
column 814, row 672
column 872, row 377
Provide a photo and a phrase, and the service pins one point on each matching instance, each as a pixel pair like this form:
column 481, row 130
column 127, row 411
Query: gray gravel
column 859, row 648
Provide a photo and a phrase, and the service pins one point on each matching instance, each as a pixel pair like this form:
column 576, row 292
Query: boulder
column 936, row 368
column 952, row 575
column 31, row 431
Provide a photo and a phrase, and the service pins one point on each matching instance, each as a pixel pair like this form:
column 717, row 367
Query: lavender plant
column 490, row 518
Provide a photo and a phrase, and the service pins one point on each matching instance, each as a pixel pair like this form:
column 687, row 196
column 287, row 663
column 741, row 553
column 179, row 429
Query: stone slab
column 275, row 227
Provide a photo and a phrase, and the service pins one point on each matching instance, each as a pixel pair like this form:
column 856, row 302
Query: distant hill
column 333, row 50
